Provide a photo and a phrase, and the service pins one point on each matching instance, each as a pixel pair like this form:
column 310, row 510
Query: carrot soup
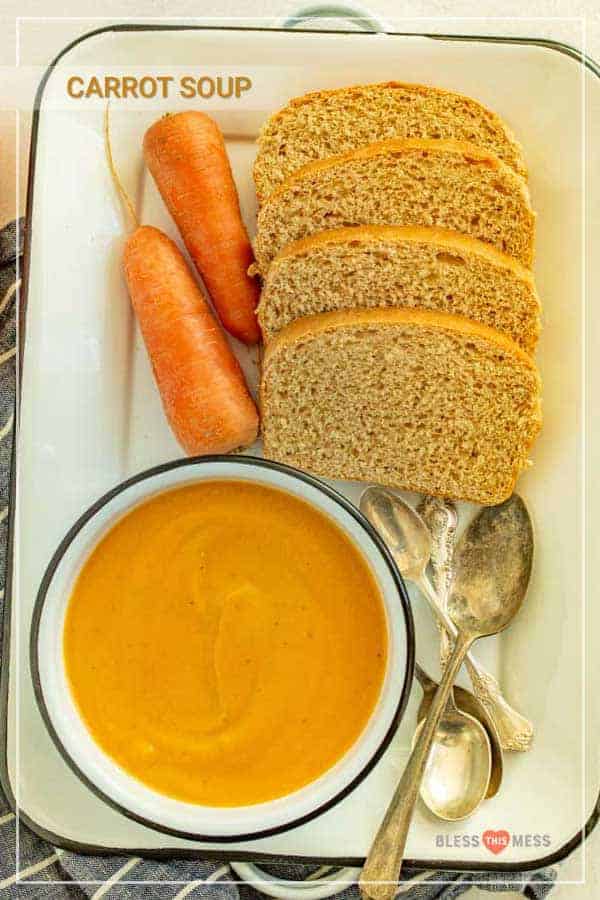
column 225, row 643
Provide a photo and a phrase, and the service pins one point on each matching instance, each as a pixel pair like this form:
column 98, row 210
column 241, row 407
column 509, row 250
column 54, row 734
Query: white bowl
column 100, row 773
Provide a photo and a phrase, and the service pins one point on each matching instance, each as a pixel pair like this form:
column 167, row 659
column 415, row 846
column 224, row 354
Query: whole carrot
column 186, row 156
column 201, row 385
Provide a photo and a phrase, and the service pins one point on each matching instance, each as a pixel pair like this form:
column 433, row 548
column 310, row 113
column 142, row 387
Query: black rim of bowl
column 192, row 462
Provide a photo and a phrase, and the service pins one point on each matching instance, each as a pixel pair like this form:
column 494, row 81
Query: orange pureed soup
column 225, row 643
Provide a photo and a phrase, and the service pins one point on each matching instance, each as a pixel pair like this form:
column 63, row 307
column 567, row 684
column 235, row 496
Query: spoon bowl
column 407, row 536
column 467, row 703
column 459, row 766
column 493, row 566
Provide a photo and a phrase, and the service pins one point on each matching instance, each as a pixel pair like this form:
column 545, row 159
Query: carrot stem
column 124, row 196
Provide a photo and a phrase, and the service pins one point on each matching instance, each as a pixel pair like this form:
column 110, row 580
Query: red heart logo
column 496, row 841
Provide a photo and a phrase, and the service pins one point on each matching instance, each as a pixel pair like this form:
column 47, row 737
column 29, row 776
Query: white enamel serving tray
column 90, row 415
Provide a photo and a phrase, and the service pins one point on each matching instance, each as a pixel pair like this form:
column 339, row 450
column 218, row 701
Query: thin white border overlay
column 274, row 22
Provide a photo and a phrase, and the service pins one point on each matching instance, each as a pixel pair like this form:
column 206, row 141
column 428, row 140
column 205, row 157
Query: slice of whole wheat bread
column 402, row 182
column 395, row 266
column 329, row 123
column 419, row 400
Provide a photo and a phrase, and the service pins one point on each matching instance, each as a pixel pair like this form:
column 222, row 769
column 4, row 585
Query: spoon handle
column 379, row 877
column 441, row 518
column 514, row 730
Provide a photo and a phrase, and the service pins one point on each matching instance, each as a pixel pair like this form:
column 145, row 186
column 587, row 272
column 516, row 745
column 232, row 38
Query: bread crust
column 312, row 326
column 470, row 152
column 418, row 234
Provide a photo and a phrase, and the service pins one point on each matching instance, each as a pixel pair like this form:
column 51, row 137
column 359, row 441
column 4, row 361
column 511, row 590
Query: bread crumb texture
column 400, row 267
column 327, row 123
column 416, row 400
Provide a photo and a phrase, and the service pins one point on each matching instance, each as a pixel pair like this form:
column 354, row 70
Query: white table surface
column 43, row 31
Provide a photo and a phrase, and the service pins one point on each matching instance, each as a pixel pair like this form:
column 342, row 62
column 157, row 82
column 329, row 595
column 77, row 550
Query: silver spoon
column 493, row 568
column 409, row 541
column 467, row 703
column 459, row 767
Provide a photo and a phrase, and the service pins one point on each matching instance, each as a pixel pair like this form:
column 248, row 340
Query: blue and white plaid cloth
column 62, row 874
